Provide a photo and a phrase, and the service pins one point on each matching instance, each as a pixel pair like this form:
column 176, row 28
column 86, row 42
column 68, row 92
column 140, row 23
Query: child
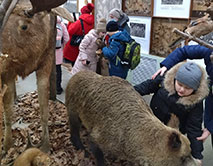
column 116, row 49
column 87, row 58
column 195, row 52
column 121, row 18
column 62, row 38
column 181, row 92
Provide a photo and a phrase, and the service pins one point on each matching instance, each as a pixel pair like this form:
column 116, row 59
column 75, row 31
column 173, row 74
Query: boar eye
column 24, row 27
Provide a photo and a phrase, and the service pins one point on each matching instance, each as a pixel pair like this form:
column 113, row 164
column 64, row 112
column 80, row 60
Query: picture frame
column 140, row 29
column 140, row 8
column 162, row 36
column 172, row 8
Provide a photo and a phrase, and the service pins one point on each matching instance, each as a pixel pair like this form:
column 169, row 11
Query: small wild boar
column 121, row 123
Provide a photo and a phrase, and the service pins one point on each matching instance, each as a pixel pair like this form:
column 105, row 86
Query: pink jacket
column 87, row 51
column 59, row 52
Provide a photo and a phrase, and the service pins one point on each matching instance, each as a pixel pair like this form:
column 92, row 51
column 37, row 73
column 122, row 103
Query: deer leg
column 8, row 100
column 43, row 98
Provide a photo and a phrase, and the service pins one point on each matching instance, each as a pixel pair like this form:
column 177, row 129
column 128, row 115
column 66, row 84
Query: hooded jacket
column 122, row 22
column 71, row 52
column 114, row 51
column 188, row 109
column 65, row 39
column 196, row 52
column 87, row 52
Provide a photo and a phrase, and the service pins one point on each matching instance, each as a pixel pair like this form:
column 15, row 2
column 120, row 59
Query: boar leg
column 75, row 126
column 97, row 152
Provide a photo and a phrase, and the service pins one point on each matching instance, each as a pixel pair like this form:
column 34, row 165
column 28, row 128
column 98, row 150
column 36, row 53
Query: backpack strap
column 82, row 25
column 74, row 16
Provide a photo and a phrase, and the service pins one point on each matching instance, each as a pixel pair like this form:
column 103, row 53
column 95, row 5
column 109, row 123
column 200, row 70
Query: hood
column 93, row 32
column 88, row 18
column 196, row 97
column 122, row 36
column 123, row 20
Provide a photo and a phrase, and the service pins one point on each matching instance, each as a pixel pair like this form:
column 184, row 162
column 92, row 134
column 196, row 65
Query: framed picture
column 140, row 28
column 172, row 8
column 162, row 36
column 135, row 7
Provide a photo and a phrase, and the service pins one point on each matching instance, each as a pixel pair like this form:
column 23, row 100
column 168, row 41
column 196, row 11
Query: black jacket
column 189, row 110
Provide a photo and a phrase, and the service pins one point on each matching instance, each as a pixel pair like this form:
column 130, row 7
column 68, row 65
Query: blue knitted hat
column 189, row 74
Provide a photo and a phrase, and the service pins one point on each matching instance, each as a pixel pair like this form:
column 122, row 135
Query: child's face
column 182, row 90
column 111, row 17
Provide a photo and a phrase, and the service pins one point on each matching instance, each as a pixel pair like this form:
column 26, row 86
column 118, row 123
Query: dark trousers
column 58, row 77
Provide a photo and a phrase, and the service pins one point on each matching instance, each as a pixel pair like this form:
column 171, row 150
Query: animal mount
column 197, row 28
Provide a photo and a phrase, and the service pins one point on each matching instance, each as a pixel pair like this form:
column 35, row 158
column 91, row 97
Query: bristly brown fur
column 121, row 122
column 32, row 157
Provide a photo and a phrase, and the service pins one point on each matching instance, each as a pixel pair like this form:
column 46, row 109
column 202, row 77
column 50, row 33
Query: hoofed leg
column 97, row 152
column 75, row 125
column 43, row 98
column 8, row 100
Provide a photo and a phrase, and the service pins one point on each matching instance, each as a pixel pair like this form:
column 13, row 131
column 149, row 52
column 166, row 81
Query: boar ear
column 174, row 141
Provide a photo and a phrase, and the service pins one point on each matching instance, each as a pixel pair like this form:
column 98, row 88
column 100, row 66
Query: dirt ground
column 26, row 119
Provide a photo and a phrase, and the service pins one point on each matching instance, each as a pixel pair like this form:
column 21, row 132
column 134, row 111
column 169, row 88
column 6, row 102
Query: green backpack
column 131, row 56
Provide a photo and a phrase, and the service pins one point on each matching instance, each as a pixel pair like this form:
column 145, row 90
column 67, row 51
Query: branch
column 198, row 40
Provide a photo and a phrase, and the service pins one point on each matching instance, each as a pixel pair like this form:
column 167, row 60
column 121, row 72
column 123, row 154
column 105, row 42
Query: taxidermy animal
column 199, row 27
column 121, row 123
column 29, row 43
column 32, row 157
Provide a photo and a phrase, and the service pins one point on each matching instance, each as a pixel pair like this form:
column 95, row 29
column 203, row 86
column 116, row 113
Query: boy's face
column 182, row 90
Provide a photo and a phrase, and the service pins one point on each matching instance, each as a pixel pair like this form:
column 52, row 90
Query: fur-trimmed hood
column 196, row 97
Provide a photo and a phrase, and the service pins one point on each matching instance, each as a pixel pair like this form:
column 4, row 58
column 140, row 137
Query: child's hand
column 84, row 62
column 204, row 136
column 199, row 162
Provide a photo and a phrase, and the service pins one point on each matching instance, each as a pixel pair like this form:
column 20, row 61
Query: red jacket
column 71, row 52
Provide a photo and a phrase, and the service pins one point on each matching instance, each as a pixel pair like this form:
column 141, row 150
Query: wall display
column 172, row 8
column 104, row 6
column 162, row 35
column 199, row 7
column 138, row 7
column 140, row 28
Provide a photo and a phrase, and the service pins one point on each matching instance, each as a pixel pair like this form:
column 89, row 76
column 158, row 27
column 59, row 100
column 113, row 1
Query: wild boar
column 121, row 123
